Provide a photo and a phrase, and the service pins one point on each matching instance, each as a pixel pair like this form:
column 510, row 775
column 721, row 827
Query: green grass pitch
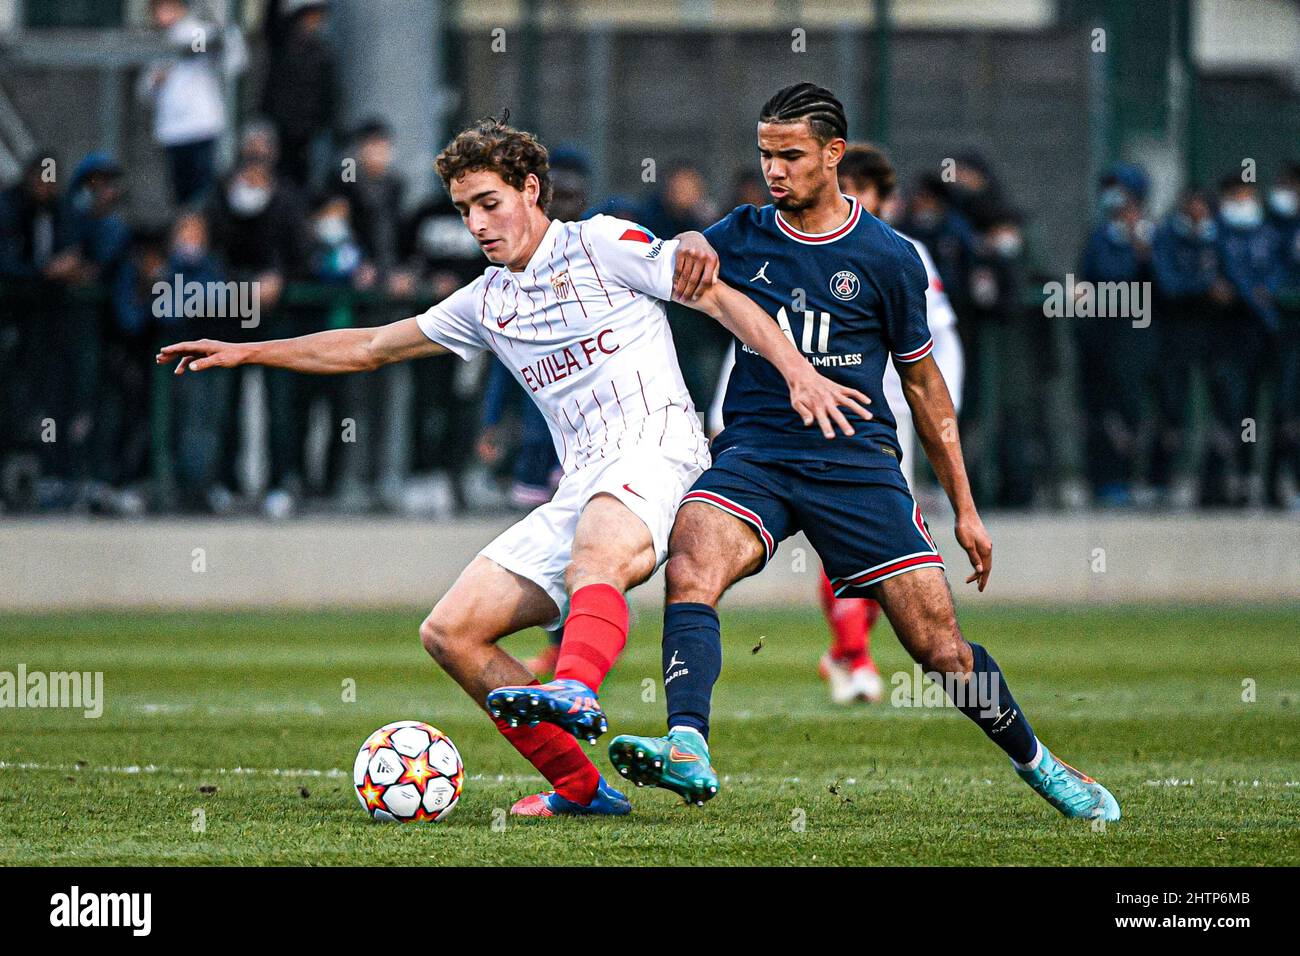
column 1149, row 700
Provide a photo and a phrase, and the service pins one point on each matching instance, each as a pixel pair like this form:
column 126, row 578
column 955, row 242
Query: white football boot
column 840, row 679
column 867, row 685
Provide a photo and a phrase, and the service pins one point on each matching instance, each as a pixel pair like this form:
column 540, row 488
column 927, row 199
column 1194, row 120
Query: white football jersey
column 584, row 330
column 938, row 310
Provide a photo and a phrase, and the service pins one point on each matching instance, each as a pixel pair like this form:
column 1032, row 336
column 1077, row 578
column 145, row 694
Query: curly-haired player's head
column 866, row 173
column 499, row 180
column 801, row 139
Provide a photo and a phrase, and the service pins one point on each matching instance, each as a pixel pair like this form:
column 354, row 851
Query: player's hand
column 817, row 399
column 973, row 537
column 696, row 267
column 205, row 353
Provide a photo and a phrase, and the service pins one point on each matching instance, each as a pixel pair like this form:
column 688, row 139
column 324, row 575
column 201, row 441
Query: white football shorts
column 648, row 478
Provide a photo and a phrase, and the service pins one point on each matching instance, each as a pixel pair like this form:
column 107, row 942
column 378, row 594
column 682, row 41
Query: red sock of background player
column 557, row 756
column 873, row 615
column 594, row 634
column 849, row 621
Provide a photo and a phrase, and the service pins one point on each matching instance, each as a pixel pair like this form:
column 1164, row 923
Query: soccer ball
column 408, row 771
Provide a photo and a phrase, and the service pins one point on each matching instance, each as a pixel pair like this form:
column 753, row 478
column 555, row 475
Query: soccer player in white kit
column 576, row 311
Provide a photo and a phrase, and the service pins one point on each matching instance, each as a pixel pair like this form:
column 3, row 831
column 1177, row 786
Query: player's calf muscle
column 919, row 606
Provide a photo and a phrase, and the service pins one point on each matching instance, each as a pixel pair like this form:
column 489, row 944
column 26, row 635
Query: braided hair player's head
column 808, row 101
column 801, row 139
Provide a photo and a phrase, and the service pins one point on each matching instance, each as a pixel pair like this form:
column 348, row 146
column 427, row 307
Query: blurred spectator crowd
column 1199, row 407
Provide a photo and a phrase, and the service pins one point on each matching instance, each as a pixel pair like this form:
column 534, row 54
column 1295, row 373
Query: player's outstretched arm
column 814, row 396
column 321, row 353
column 936, row 425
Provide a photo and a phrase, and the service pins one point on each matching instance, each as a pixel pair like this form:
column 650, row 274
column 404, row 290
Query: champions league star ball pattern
column 408, row 772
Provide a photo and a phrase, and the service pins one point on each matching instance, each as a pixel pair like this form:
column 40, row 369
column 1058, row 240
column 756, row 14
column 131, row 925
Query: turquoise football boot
column 678, row 762
column 1075, row 794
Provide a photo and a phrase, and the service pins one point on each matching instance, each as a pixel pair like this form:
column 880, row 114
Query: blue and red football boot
column 608, row 802
column 569, row 704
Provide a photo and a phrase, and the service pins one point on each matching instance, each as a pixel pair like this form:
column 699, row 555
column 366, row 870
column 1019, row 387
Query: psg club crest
column 844, row 285
column 562, row 285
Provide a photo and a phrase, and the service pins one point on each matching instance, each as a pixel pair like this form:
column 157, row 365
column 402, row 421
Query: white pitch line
column 155, row 769
column 899, row 780
column 335, row 772
column 1191, row 782
column 136, row 770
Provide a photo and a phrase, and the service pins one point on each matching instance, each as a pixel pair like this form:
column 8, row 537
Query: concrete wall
column 54, row 564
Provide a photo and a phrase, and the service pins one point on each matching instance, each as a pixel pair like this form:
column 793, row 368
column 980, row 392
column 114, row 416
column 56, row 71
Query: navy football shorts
column 863, row 522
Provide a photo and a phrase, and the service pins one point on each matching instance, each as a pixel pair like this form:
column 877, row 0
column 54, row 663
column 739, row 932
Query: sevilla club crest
column 562, row 285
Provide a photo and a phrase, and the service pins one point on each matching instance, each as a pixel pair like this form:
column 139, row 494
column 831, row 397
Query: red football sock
column 594, row 634
column 557, row 756
column 850, row 621
column 873, row 615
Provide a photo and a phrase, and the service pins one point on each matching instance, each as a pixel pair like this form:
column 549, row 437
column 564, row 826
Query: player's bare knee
column 690, row 578
column 433, row 637
column 618, row 571
column 444, row 633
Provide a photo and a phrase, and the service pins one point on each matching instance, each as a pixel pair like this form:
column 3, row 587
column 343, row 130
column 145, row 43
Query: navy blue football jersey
column 847, row 299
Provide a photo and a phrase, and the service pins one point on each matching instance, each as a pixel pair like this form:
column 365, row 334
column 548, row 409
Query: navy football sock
column 988, row 702
column 692, row 659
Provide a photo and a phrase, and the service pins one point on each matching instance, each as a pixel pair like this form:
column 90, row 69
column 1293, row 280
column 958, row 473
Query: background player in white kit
column 866, row 174
column 575, row 310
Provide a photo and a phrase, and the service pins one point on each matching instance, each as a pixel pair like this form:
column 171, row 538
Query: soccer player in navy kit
column 849, row 292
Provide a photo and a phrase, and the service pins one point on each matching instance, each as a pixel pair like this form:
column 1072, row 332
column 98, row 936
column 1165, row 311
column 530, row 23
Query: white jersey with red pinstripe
column 583, row 329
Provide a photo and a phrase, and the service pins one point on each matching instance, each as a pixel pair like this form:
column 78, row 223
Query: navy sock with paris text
column 692, row 659
column 987, row 700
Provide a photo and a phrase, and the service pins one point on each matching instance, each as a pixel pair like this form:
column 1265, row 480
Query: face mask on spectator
column 1111, row 199
column 83, row 199
column 183, row 32
column 1008, row 244
column 247, row 200
column 1241, row 213
column 332, row 230
column 1284, row 202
